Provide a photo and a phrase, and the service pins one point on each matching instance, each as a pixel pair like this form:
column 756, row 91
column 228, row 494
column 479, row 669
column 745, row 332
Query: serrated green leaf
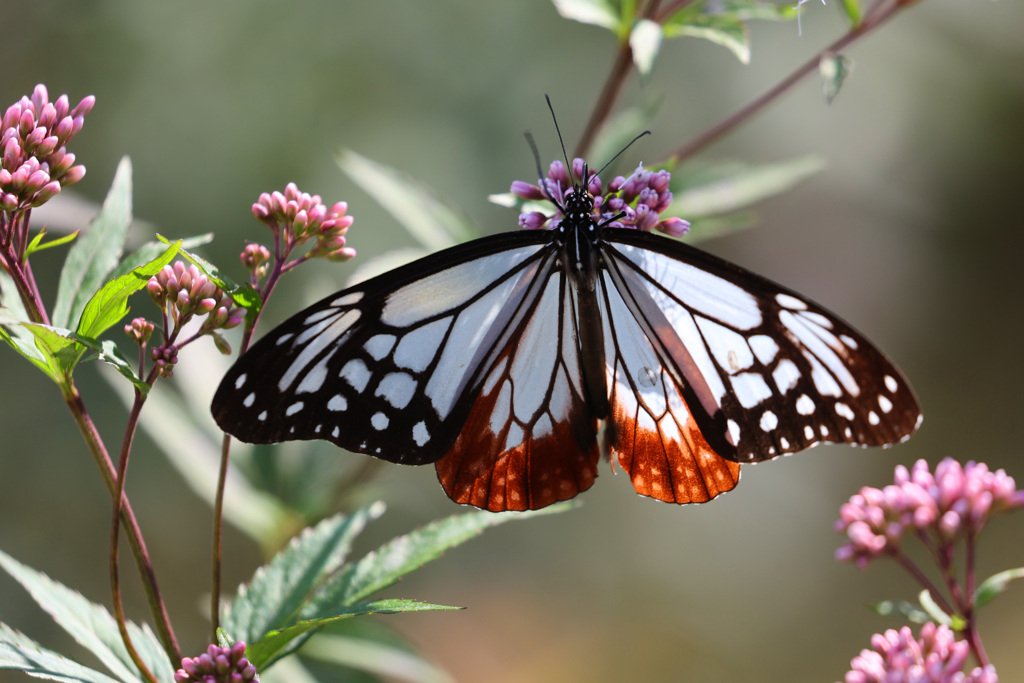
column 91, row 625
column 724, row 30
column 37, row 245
column 378, row 659
column 996, row 584
column 18, row 652
column 276, row 643
column 93, row 256
column 597, row 12
column 404, row 554
column 834, row 70
column 644, row 41
column 434, row 222
column 723, row 187
column 272, row 599
column 243, row 294
column 852, row 11
column 59, row 351
column 110, row 304
column 151, row 250
column 107, row 351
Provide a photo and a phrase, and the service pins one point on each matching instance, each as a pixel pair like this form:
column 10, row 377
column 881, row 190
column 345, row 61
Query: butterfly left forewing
column 381, row 368
column 764, row 370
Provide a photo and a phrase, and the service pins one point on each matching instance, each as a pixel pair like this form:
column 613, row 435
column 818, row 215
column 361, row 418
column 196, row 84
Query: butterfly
column 514, row 362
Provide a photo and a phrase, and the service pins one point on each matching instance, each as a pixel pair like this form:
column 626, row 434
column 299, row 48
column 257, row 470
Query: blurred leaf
column 110, row 304
column 244, row 294
column 18, row 652
column 91, row 625
column 386, row 565
column 389, row 260
column 852, row 10
column 711, row 227
column 937, row 614
column 911, row 612
column 435, row 223
column 725, row 30
column 712, row 189
column 996, row 584
column 834, row 69
column 373, row 657
column 96, row 253
column 598, row 12
column 37, row 245
column 272, row 599
column 747, row 10
column 644, row 41
column 267, row 649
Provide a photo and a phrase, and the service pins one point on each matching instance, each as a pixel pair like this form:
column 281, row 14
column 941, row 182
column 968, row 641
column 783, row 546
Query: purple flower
column 898, row 657
column 947, row 504
column 634, row 202
column 35, row 164
column 217, row 665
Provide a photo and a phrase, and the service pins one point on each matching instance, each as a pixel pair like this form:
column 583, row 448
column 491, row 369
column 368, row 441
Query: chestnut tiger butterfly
column 512, row 362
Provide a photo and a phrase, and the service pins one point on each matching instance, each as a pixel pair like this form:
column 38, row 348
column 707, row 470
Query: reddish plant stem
column 115, row 528
column 877, row 14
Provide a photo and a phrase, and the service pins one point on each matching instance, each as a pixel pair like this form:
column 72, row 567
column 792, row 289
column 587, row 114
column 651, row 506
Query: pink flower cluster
column 954, row 500
column 33, row 138
column 186, row 292
column 217, row 665
column 634, row 202
column 899, row 657
column 296, row 217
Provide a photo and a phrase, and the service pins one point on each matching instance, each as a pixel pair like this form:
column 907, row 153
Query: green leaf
column 110, row 304
column 434, row 222
column 597, row 12
column 12, row 330
column 954, row 621
column 91, row 625
column 18, row 652
column 151, row 250
column 36, row 243
column 404, row 554
column 379, row 659
column 58, row 351
column 712, row 189
column 273, row 597
column 747, row 10
column 996, row 584
column 107, row 351
column 834, row 69
column 725, row 30
column 644, row 41
column 853, row 12
column 94, row 255
column 244, row 294
column 266, row 650
column 711, row 227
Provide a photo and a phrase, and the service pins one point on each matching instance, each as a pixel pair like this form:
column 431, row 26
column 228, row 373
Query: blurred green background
column 913, row 234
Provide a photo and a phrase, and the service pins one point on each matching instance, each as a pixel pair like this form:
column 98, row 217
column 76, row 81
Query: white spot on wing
column 790, row 302
column 891, row 384
column 379, row 421
column 337, row 403
column 804, row 405
column 885, row 404
column 873, row 418
column 734, row 432
column 379, row 345
column 397, row 388
column 240, row 382
column 249, row 400
column 808, row 432
column 262, row 416
column 294, row 408
column 418, row 348
column 769, row 421
column 764, row 347
column 356, row 374
column 786, row 375
column 316, row 340
column 751, row 389
column 729, row 348
column 420, row 434
column 843, row 410
column 348, row 299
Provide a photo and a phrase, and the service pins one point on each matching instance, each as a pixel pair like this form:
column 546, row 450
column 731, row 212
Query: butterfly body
column 501, row 359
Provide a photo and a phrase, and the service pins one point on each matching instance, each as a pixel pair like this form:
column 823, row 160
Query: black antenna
column 630, row 144
column 560, row 142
